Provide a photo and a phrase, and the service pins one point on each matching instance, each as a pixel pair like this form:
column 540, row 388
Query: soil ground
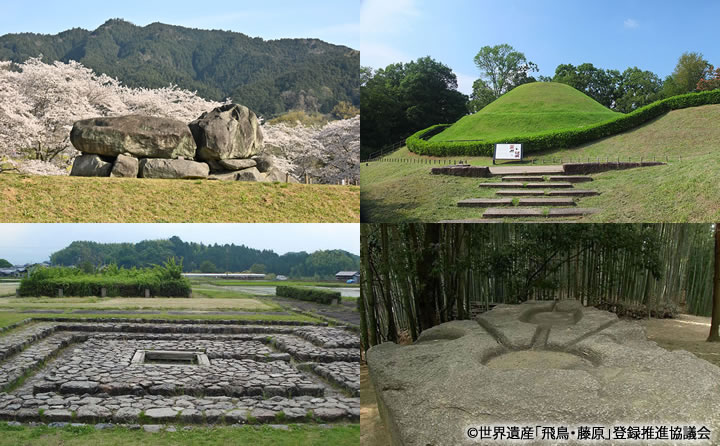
column 685, row 332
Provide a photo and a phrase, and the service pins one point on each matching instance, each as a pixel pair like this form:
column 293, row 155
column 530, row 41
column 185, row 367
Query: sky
column 611, row 34
column 22, row 243
column 329, row 20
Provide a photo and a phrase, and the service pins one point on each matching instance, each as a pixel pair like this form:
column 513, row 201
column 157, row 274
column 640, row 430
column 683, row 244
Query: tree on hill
column 599, row 84
column 691, row 67
column 502, row 68
column 258, row 268
column 5, row 264
column 345, row 110
column 710, row 80
column 208, row 267
column 403, row 98
column 637, row 88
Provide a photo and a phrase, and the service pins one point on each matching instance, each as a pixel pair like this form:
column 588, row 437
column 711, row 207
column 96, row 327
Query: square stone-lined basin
column 170, row 357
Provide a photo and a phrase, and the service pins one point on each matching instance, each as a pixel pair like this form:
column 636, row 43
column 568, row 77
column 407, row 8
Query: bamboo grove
column 415, row 276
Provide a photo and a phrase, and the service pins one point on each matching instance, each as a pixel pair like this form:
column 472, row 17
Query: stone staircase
column 529, row 195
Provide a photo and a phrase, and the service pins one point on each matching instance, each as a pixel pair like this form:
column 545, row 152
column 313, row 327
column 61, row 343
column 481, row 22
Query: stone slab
column 594, row 371
column 533, row 185
column 485, row 202
column 573, row 193
column 546, row 201
column 489, row 202
column 534, row 212
column 519, row 192
column 523, row 178
column 551, row 193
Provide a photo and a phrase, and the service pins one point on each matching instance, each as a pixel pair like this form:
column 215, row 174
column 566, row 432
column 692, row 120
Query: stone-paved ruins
column 107, row 372
column 539, row 363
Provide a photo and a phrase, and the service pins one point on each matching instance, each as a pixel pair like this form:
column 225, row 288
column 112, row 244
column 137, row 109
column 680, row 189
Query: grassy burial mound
column 163, row 281
column 542, row 116
column 310, row 294
column 529, row 109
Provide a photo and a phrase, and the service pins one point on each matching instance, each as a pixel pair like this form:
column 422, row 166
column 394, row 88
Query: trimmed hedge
column 161, row 281
column 418, row 143
column 311, row 294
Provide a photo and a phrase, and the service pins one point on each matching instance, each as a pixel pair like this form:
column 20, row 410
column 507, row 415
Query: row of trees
column 502, row 68
column 206, row 258
column 415, row 276
column 39, row 103
column 403, row 98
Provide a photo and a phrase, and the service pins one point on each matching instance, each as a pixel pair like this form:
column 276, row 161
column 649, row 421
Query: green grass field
column 33, row 199
column 528, row 109
column 340, row 435
column 685, row 190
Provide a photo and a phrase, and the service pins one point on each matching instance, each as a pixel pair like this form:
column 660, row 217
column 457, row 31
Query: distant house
column 345, row 276
column 15, row 271
column 239, row 276
column 281, row 277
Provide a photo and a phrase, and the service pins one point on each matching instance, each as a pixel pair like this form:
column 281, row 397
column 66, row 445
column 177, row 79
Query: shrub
column 310, row 294
column 162, row 280
column 418, row 143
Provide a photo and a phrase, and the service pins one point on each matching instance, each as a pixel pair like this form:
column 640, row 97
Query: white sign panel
column 508, row 152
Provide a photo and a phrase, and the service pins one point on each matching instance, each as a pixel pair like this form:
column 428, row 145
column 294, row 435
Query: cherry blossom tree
column 327, row 154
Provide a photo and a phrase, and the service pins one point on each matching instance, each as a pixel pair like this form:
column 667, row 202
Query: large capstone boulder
column 125, row 167
column 137, row 135
column 91, row 166
column 173, row 169
column 538, row 364
column 230, row 131
column 240, row 164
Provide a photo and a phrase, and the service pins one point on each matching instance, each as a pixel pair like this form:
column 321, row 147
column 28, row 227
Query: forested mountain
column 269, row 76
column 197, row 256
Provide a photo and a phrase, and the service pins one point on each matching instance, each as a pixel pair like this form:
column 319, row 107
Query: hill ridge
column 269, row 76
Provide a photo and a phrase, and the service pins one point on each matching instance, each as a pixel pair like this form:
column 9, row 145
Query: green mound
column 529, row 109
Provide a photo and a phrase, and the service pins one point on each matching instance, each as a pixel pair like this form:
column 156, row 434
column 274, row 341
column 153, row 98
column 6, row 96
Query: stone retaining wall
column 589, row 168
column 462, row 170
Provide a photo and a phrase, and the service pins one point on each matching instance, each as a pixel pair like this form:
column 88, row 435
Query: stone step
column 566, row 178
column 551, row 193
column 572, row 193
column 523, row 178
column 539, row 185
column 535, row 212
column 570, row 178
column 489, row 202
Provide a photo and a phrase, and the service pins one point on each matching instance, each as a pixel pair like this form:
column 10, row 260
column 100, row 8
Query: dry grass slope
column 34, row 199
